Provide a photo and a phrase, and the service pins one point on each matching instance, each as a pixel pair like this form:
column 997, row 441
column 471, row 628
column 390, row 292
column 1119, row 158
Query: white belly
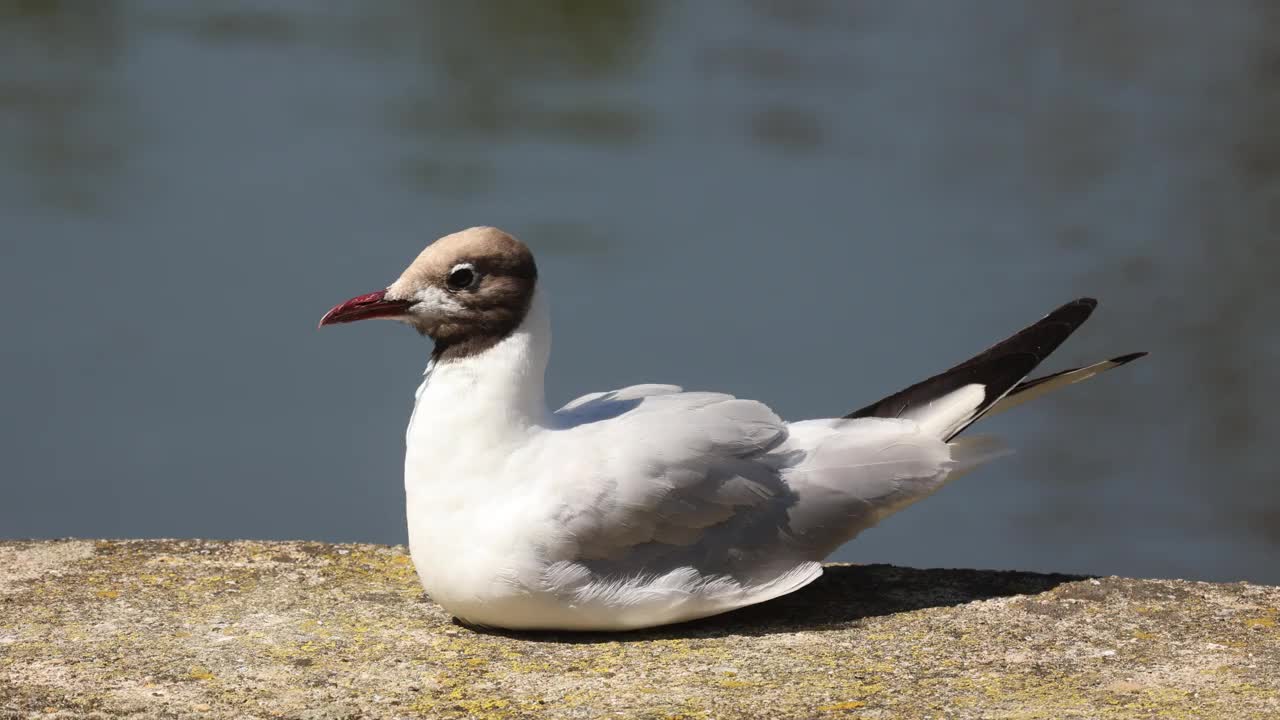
column 491, row 560
column 471, row 544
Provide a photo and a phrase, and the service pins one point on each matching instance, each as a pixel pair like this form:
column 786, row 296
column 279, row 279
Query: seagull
column 649, row 505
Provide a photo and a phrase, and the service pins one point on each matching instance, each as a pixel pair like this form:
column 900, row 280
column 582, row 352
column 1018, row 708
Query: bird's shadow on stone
column 844, row 594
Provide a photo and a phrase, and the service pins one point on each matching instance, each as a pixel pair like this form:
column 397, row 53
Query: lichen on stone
column 189, row 628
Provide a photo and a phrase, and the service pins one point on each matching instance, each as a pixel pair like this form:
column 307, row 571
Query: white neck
column 497, row 391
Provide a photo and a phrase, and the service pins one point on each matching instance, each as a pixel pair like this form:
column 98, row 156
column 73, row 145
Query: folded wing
column 701, row 502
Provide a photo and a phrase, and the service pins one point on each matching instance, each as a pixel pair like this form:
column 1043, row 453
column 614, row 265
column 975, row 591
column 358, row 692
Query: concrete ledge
column 311, row 630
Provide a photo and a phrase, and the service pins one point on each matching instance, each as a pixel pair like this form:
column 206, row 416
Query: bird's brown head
column 466, row 291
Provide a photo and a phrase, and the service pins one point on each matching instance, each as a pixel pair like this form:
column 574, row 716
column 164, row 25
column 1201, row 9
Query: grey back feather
column 725, row 487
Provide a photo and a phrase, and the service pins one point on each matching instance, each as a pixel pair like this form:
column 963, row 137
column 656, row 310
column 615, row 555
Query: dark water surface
column 810, row 203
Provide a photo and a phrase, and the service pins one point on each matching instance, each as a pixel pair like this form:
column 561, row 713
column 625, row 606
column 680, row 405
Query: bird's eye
column 461, row 277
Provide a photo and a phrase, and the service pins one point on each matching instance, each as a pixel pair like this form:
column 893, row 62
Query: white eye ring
column 461, row 277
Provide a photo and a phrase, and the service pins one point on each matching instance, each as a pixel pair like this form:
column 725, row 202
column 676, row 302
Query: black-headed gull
column 648, row 505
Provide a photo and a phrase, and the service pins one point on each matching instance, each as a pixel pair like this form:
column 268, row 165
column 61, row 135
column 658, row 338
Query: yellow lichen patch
column 108, row 594
column 531, row 666
column 200, row 673
column 843, row 706
column 460, row 701
column 1251, row 689
column 1260, row 622
column 1143, row 635
column 1158, row 699
column 864, row 689
column 484, row 705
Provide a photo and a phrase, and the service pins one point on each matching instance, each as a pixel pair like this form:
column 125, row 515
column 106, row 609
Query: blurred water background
column 809, row 202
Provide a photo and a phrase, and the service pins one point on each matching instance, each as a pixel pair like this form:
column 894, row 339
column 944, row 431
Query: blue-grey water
column 811, row 203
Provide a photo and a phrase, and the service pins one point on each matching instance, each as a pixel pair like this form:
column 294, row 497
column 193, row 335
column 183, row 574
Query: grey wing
column 680, row 480
column 597, row 406
column 709, row 481
column 850, row 474
column 681, row 505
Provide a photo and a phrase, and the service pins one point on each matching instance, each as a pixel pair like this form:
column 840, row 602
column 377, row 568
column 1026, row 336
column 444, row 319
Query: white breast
column 473, row 525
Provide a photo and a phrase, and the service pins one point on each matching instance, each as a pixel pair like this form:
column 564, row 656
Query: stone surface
column 318, row 631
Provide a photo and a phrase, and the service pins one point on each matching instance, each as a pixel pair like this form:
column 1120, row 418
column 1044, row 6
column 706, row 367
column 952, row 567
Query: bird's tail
column 1032, row 389
column 995, row 380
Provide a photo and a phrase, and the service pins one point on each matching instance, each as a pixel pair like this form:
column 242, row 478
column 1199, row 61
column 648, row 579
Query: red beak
column 373, row 305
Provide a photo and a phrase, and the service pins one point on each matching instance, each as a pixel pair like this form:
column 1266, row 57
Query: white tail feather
column 1013, row 400
column 945, row 416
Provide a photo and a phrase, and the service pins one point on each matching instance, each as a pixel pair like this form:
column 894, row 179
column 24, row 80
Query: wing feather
column 696, row 503
column 720, row 484
column 680, row 467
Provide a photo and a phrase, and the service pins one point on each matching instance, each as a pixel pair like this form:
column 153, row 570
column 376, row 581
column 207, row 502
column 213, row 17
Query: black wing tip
column 1126, row 359
column 1074, row 312
column 1087, row 304
column 999, row 368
